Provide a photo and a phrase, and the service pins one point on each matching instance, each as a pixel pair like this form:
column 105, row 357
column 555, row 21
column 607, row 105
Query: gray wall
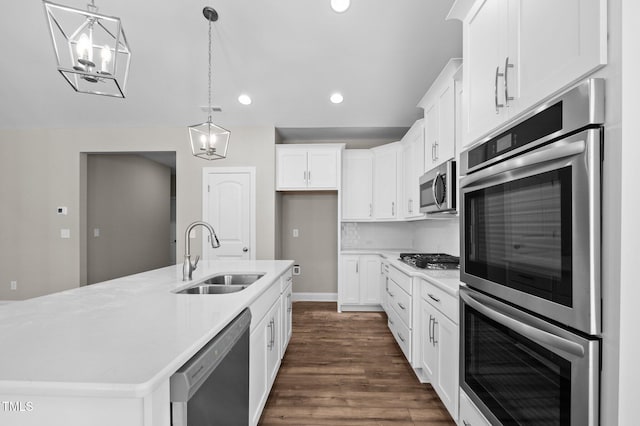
column 128, row 201
column 33, row 182
column 315, row 215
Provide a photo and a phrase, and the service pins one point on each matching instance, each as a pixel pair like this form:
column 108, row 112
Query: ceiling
column 288, row 55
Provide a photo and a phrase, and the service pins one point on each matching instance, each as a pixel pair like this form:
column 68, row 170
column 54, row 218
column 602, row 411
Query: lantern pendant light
column 208, row 140
column 91, row 49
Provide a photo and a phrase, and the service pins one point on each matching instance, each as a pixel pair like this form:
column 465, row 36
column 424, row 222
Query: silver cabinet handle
column 309, row 176
column 400, row 337
column 466, row 423
column 430, row 329
column 402, row 306
column 289, row 303
column 507, row 98
column 390, row 321
column 370, row 210
column 270, row 343
column 437, row 147
column 393, row 208
column 245, row 249
column 289, row 278
column 495, row 90
column 435, row 322
column 433, row 297
column 357, row 264
column 390, row 294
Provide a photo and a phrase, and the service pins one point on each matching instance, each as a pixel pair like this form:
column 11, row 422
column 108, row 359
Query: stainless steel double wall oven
column 530, row 257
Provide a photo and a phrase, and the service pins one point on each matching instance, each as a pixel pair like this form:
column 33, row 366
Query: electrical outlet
column 296, row 233
column 14, row 285
column 96, row 232
column 296, row 269
column 65, row 233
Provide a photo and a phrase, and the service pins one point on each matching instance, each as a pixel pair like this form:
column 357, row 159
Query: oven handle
column 537, row 335
column 554, row 151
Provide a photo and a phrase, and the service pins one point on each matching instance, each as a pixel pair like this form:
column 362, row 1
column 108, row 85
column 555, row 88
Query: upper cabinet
column 439, row 117
column 308, row 167
column 386, row 181
column 412, row 168
column 512, row 61
column 357, row 185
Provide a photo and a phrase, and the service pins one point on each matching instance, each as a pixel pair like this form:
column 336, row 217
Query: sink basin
column 234, row 279
column 222, row 284
column 212, row 289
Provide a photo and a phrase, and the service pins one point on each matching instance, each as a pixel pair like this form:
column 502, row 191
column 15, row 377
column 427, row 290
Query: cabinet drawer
column 400, row 302
column 261, row 306
column 401, row 333
column 469, row 413
column 400, row 278
column 440, row 299
column 286, row 280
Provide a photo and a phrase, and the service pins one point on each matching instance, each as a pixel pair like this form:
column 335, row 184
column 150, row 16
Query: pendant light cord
column 209, row 70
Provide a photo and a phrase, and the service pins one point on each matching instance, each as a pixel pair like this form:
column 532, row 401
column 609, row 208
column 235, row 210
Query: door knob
column 245, row 249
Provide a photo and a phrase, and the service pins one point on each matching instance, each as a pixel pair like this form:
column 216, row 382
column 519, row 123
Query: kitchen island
column 103, row 354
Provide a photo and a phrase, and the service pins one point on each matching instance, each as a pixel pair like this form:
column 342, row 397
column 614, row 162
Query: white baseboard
column 314, row 297
column 360, row 308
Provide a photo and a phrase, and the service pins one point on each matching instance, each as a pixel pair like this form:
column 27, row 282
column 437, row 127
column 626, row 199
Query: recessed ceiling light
column 340, row 5
column 244, row 99
column 336, row 98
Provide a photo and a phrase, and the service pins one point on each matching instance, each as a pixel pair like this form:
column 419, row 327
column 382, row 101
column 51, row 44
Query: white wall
column 40, row 169
column 437, row 236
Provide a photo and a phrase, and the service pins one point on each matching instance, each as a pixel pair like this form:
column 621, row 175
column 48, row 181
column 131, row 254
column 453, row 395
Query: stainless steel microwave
column 438, row 189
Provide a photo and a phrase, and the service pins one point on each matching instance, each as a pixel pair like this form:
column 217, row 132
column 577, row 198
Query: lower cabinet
column 270, row 334
column 399, row 309
column 360, row 283
column 439, row 343
column 469, row 413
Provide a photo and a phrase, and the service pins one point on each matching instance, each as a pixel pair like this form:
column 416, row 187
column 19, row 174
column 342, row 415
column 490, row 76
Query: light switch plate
column 62, row 210
column 296, row 233
column 65, row 233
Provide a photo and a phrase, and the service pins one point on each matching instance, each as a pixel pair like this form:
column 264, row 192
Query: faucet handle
column 195, row 263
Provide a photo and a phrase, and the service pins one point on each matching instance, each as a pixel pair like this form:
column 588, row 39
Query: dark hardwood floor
column 346, row 369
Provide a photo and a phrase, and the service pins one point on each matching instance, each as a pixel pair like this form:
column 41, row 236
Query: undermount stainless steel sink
column 212, row 289
column 222, row 284
column 234, row 279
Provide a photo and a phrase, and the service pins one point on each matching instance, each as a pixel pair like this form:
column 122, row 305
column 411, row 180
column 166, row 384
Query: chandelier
column 208, row 140
column 91, row 49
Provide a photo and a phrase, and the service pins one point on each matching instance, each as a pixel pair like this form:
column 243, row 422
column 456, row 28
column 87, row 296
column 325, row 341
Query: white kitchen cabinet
column 400, row 309
column 308, row 167
column 360, row 281
column 439, row 343
column 357, row 185
column 286, row 309
column 439, row 117
column 413, row 167
column 470, row 415
column 512, row 63
column 264, row 348
column 386, row 163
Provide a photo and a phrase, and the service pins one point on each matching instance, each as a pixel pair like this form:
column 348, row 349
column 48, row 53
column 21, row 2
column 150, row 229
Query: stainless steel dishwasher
column 212, row 388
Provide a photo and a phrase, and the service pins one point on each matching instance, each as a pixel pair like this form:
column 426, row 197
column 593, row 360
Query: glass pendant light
column 208, row 140
column 91, row 49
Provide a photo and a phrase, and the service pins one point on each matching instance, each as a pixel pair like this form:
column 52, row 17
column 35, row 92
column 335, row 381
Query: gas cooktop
column 431, row 260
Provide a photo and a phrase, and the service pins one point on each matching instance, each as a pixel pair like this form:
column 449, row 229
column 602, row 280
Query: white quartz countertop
column 447, row 280
column 119, row 338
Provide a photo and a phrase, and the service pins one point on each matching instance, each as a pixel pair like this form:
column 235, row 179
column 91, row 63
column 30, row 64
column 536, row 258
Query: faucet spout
column 188, row 267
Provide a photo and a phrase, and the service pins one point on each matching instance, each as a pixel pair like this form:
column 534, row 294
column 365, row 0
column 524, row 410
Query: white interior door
column 229, row 206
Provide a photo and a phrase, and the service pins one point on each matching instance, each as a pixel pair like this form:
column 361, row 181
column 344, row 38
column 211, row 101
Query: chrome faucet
column 188, row 267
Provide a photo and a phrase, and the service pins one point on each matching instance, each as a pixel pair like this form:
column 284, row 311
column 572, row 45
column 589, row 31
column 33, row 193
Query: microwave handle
column 433, row 190
column 554, row 151
column 540, row 336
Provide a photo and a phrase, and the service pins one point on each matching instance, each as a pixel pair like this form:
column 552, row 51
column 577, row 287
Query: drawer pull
column 433, row 297
column 402, row 306
column 390, row 294
column 400, row 337
column 466, row 423
column 390, row 321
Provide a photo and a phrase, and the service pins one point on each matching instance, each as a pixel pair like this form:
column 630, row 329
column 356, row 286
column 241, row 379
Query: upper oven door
column 531, row 230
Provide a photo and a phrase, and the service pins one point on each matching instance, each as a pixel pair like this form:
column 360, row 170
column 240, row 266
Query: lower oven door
column 521, row 370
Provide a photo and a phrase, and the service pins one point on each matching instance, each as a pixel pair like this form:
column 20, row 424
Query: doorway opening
column 128, row 213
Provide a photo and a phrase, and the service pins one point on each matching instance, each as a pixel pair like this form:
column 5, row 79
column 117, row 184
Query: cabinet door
column 445, row 144
column 322, row 168
column 429, row 355
column 357, row 185
column 286, row 315
column 350, row 285
column 413, row 166
column 431, row 121
column 292, row 168
column 370, row 280
column 447, row 344
column 483, row 51
column 408, row 152
column 385, row 184
column 258, row 389
column 273, row 344
column 572, row 44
